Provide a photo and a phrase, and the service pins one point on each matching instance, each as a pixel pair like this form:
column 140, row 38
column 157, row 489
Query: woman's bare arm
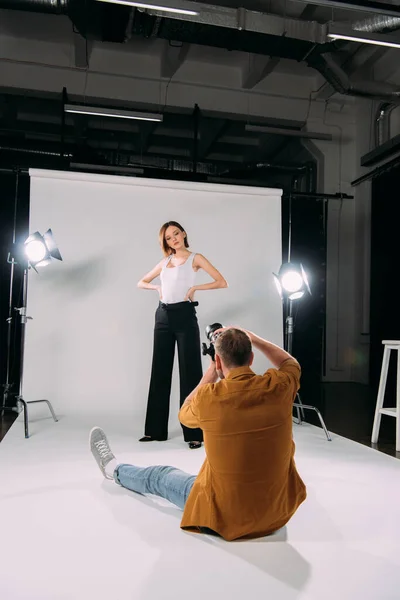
column 145, row 282
column 201, row 262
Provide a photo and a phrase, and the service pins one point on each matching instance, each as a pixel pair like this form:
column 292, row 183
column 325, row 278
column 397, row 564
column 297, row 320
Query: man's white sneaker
column 101, row 450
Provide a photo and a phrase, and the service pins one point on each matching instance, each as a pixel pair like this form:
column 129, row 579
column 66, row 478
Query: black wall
column 14, row 195
column 384, row 316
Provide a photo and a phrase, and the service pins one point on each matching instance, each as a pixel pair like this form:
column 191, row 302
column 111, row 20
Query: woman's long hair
column 165, row 248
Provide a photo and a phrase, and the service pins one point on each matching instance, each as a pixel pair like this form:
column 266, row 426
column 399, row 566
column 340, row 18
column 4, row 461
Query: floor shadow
column 273, row 555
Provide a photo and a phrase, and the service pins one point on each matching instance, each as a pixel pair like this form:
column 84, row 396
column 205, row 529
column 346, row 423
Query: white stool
column 391, row 412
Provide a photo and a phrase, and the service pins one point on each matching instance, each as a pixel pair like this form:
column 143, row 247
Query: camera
column 210, row 330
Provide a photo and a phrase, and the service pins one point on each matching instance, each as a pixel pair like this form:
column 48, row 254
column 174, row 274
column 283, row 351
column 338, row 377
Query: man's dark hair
column 234, row 347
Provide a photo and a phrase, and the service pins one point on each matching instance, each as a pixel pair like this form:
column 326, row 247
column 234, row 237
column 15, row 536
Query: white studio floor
column 66, row 534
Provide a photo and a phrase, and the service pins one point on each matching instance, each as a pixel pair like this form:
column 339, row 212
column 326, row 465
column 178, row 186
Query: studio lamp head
column 291, row 281
column 41, row 249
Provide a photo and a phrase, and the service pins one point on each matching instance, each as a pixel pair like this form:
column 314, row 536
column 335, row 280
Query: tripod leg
column 299, row 419
column 301, row 405
column 25, row 409
column 53, row 414
column 328, row 437
column 51, row 410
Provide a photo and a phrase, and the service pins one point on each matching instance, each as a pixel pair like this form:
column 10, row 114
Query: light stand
column 24, row 319
column 289, row 330
column 292, row 284
column 21, row 403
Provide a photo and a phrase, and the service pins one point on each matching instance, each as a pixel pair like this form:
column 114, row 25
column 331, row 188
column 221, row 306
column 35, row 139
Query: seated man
column 248, row 485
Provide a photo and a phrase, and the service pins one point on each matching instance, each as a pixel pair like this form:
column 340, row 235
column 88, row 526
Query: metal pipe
column 311, row 177
column 340, row 81
column 378, row 171
column 312, row 135
column 58, row 7
column 380, row 8
column 64, row 101
column 322, row 196
column 196, row 116
column 33, row 151
column 262, row 165
column 379, row 23
column 382, row 123
column 289, row 252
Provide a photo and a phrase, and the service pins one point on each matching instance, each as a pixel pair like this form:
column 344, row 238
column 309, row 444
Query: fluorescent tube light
column 101, row 111
column 352, row 38
column 173, row 9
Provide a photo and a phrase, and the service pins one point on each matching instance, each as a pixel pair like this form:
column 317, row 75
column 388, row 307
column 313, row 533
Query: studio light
column 37, row 251
column 292, row 284
column 292, row 281
column 41, row 249
column 116, row 113
column 166, row 6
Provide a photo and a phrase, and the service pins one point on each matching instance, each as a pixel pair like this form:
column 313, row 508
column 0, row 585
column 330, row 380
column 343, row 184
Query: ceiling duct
column 93, row 20
column 253, row 22
column 380, row 23
column 340, row 81
column 217, row 16
column 371, row 6
column 235, row 29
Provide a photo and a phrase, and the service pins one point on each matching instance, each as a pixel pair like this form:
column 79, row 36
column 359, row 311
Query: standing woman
column 176, row 321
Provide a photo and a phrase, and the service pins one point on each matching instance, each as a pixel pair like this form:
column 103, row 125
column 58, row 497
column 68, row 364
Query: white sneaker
column 101, row 450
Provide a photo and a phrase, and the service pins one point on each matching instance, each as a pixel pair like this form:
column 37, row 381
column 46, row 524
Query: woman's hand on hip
column 158, row 288
column 190, row 294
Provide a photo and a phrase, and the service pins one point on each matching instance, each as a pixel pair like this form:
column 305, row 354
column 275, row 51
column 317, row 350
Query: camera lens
column 210, row 329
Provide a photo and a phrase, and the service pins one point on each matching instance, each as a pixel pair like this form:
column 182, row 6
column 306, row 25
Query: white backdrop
column 89, row 346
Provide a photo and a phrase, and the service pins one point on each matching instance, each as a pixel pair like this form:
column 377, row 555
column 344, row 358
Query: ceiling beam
column 242, row 19
column 359, row 64
column 364, row 59
column 387, row 65
column 147, row 129
column 170, row 151
column 8, row 110
column 281, row 150
column 382, row 8
column 311, row 135
column 325, row 92
column 82, row 51
column 308, row 13
column 257, row 68
column 172, row 58
column 210, row 130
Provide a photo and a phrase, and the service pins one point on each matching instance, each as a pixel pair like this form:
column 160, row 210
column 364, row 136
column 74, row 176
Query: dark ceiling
column 33, row 127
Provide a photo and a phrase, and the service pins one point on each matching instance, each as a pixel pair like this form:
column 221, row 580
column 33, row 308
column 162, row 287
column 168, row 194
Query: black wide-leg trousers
column 175, row 323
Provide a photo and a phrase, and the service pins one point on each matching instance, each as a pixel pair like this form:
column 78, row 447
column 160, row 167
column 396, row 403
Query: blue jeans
column 169, row 483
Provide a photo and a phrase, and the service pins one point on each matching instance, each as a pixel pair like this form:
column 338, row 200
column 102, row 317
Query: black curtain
column 14, row 211
column 384, row 321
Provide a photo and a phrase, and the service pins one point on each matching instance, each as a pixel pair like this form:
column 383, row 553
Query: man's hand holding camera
column 275, row 354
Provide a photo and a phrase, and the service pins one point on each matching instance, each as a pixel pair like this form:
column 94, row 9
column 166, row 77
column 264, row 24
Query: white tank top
column 177, row 281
